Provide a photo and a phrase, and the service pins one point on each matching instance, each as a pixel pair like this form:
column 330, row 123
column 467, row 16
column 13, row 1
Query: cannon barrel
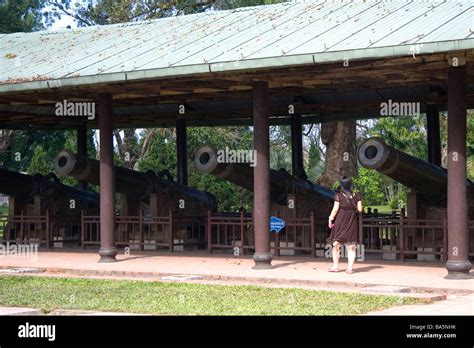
column 129, row 182
column 414, row 173
column 27, row 186
column 282, row 183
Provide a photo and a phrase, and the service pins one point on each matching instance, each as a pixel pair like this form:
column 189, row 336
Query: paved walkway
column 455, row 305
column 286, row 271
column 68, row 312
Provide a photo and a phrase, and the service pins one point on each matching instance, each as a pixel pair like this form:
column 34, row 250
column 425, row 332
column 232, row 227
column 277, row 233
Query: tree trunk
column 127, row 146
column 341, row 151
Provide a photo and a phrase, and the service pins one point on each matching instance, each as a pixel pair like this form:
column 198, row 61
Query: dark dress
column 346, row 229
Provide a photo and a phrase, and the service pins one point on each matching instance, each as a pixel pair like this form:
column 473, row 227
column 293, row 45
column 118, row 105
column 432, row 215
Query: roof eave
column 246, row 65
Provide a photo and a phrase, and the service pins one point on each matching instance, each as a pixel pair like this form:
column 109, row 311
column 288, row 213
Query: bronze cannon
column 420, row 176
column 427, row 182
column 55, row 197
column 43, row 209
column 290, row 196
column 157, row 190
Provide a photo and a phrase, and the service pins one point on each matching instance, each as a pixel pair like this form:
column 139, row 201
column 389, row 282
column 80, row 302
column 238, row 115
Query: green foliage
column 394, row 203
column 469, row 143
column 21, row 16
column 120, row 11
column 315, row 166
column 470, row 132
column 38, row 165
column 370, row 184
column 70, row 142
column 280, row 147
column 161, row 155
column 229, row 4
column 470, row 167
column 19, row 155
column 407, row 134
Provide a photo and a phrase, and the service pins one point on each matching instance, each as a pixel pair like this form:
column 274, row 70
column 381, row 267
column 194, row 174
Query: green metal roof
column 287, row 34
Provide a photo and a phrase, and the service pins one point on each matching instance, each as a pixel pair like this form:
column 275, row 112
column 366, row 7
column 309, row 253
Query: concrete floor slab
column 19, row 311
column 456, row 305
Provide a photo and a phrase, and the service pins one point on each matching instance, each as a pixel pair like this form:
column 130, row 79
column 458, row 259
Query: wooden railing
column 149, row 233
column 26, row 228
column 392, row 236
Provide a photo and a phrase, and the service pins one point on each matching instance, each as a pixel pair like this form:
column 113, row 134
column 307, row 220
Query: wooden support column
column 107, row 251
column 81, row 134
column 434, row 140
column 261, row 177
column 182, row 150
column 458, row 264
column 297, row 147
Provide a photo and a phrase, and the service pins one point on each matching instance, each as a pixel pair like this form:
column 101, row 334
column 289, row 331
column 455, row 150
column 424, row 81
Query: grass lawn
column 48, row 294
column 381, row 208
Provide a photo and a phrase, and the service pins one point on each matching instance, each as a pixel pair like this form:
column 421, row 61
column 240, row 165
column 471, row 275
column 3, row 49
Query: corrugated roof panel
column 13, row 41
column 63, row 47
column 194, row 45
column 225, row 40
column 417, row 31
column 260, row 36
column 372, row 34
column 454, row 28
column 128, row 43
column 313, row 37
column 122, row 39
column 99, row 49
column 131, row 59
column 236, row 46
column 352, row 30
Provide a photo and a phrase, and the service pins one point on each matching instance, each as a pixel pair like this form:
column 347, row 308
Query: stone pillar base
column 263, row 260
column 458, row 269
column 107, row 255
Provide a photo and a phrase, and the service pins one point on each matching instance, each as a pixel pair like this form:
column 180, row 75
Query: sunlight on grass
column 182, row 299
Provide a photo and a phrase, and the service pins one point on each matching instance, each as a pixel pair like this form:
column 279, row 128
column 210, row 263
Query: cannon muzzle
column 208, row 161
column 132, row 183
column 414, row 173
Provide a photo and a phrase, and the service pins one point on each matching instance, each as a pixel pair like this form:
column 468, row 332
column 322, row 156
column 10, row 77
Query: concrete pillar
column 434, row 140
column 297, row 147
column 261, row 177
column 458, row 264
column 81, row 134
column 182, row 150
column 107, row 251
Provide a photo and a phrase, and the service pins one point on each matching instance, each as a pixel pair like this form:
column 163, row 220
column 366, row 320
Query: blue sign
column 276, row 224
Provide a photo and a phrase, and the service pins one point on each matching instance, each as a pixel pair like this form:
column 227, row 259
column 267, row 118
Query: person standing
column 343, row 223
